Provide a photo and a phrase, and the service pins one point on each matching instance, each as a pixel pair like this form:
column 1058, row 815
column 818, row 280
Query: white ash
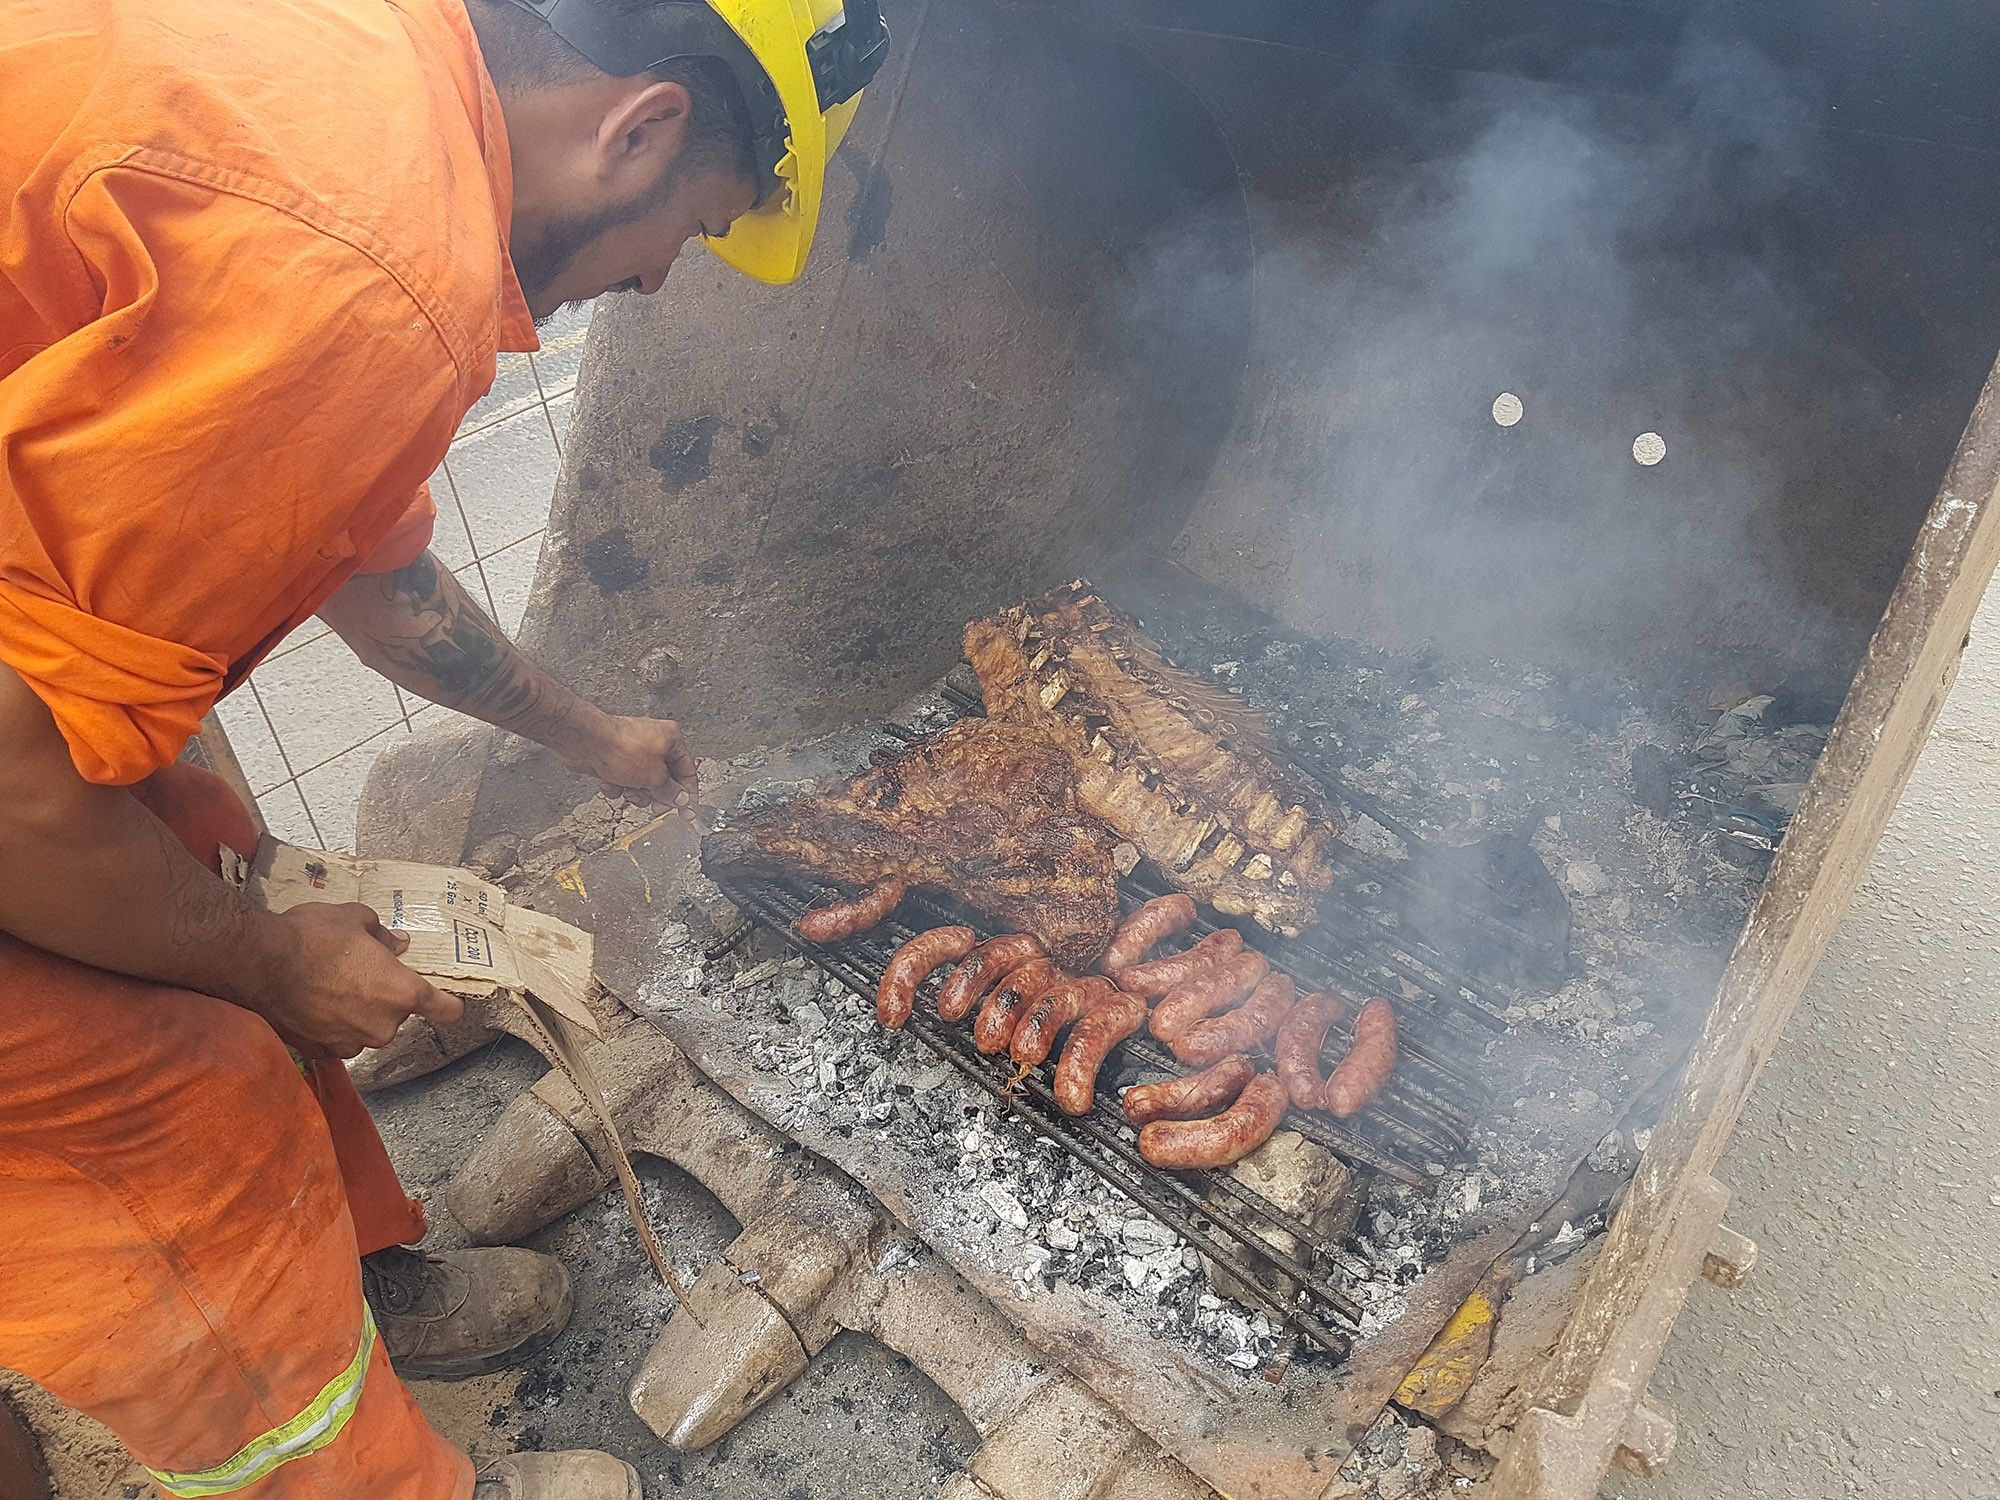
column 1400, row 1458
column 1045, row 1217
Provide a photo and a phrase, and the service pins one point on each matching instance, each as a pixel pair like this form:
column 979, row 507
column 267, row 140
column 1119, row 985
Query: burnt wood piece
column 1190, row 774
column 984, row 811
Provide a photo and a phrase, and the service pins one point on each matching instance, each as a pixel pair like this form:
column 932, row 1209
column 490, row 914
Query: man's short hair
column 523, row 51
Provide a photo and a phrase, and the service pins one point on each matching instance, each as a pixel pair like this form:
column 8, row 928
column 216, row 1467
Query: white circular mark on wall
column 1649, row 448
column 1506, row 408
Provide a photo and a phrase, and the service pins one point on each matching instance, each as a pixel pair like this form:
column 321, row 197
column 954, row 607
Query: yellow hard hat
column 800, row 66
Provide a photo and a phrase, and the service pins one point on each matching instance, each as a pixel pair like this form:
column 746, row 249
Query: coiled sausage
column 912, row 965
column 1191, row 1097
column 1299, row 1041
column 1222, row 986
column 1035, row 1038
column 843, row 919
column 1161, row 976
column 1107, row 1023
column 991, row 962
column 1186, row 1145
column 1368, row 1063
column 1157, row 920
column 1243, row 1029
column 1009, row 1001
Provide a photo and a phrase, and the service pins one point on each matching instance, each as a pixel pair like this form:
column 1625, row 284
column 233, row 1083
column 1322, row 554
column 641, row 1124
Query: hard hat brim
column 770, row 243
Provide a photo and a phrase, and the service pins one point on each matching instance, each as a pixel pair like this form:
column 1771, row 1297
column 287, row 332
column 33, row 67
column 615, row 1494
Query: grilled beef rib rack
column 1191, row 775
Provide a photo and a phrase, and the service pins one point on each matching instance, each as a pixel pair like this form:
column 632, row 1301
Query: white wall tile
column 450, row 541
column 250, row 736
column 514, row 390
column 333, row 791
column 562, row 350
column 323, row 701
column 475, row 585
column 506, row 478
column 284, row 813
column 304, row 633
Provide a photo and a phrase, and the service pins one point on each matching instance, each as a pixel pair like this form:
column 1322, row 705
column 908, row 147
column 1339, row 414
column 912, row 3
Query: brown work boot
column 580, row 1474
column 466, row 1312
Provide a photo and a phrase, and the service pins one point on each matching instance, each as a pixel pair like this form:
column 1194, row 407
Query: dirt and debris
column 595, row 823
column 1401, row 1458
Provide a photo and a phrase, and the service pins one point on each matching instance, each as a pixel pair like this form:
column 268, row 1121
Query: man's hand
column 87, row 872
column 343, row 986
column 417, row 627
column 645, row 756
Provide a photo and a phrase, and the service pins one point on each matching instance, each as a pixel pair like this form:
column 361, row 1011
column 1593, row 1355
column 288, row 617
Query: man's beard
column 539, row 263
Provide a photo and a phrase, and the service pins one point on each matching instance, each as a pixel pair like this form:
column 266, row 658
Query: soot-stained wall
column 1241, row 284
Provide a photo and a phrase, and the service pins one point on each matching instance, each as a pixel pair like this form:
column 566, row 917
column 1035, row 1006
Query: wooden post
column 1598, row 1374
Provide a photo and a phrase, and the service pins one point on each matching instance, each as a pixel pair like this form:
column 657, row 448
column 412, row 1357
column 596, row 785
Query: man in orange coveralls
column 256, row 259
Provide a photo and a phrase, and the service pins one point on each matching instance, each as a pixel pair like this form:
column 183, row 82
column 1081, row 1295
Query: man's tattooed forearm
column 452, row 653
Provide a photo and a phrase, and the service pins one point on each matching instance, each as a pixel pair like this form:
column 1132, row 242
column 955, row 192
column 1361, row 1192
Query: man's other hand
column 345, row 986
column 646, row 756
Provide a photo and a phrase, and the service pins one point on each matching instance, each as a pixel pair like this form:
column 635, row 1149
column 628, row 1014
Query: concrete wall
column 1859, row 1359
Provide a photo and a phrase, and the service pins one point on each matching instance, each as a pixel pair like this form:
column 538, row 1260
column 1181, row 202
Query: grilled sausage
column 1009, row 1002
column 1158, row 919
column 1184, row 1145
column 1299, row 1041
column 843, row 919
column 1368, row 1063
column 1161, row 976
column 1221, row 987
column 991, row 962
column 1191, row 1097
column 1243, row 1029
column 912, row 965
column 1035, row 1038
column 1107, row 1023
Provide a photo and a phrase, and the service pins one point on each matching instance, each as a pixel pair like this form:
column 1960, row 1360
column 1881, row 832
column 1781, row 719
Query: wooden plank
column 1910, row 665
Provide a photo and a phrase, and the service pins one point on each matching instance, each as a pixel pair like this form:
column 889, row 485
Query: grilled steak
column 1190, row 774
column 984, row 811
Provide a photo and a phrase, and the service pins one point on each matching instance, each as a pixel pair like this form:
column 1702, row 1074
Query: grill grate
column 1419, row 1122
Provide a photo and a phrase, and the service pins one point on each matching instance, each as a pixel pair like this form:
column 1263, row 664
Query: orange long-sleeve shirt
column 253, row 271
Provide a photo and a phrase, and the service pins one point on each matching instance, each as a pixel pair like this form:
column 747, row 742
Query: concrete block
column 1061, row 1444
column 701, row 1379
column 530, row 1170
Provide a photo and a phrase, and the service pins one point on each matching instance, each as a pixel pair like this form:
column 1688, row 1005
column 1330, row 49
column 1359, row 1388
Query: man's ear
column 640, row 133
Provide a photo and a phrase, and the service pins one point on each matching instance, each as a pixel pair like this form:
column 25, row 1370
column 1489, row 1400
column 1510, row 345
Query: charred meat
column 1188, row 773
column 986, row 812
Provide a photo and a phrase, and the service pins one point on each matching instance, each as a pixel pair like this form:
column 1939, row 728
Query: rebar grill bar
column 1417, row 1124
column 858, row 964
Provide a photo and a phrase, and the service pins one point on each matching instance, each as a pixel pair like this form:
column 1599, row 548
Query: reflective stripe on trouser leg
column 307, row 1433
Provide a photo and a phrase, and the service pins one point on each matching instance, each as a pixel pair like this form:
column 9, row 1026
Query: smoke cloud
column 1621, row 267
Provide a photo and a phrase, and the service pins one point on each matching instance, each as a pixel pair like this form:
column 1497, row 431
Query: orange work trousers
column 183, row 1208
